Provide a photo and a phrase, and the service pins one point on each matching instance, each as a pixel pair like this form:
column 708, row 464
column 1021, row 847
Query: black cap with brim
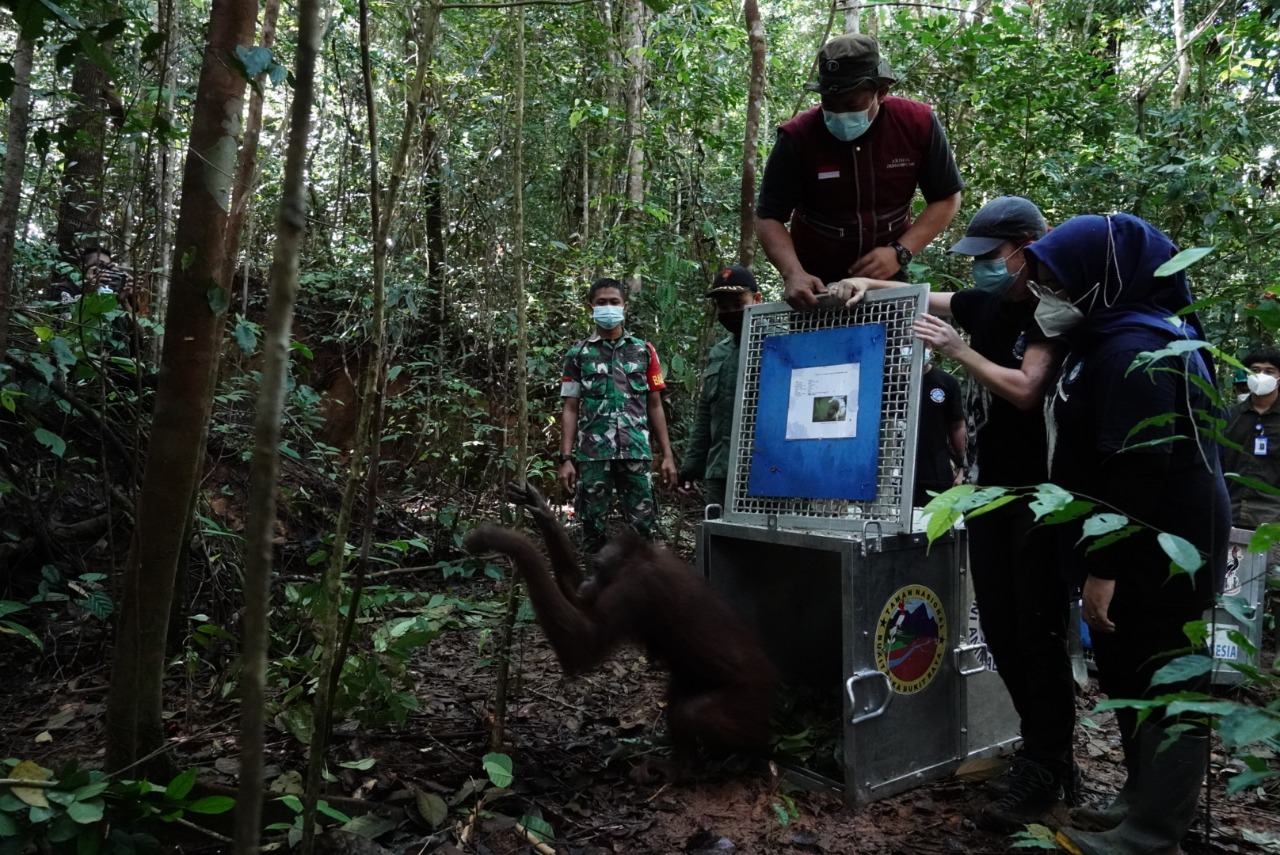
column 975, row 246
column 734, row 279
column 1008, row 218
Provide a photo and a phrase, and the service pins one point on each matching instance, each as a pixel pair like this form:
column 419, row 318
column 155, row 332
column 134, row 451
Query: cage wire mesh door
column 759, row 441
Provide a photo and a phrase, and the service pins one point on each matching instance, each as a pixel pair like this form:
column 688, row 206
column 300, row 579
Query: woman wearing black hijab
column 1132, row 441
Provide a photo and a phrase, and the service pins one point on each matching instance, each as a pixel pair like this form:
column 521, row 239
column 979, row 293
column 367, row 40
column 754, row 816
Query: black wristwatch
column 566, row 458
column 904, row 255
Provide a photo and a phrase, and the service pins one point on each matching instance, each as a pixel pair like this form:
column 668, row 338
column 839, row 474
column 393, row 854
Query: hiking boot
column 1073, row 791
column 1035, row 792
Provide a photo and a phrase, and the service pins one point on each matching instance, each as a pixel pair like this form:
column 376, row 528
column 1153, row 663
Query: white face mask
column 1261, row 384
column 1242, row 397
column 1057, row 316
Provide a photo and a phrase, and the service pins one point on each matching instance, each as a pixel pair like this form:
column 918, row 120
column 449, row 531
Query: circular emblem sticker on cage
column 911, row 638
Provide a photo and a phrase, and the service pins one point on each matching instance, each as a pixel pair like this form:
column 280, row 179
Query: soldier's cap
column 1240, row 376
column 846, row 62
column 734, row 279
column 1007, row 218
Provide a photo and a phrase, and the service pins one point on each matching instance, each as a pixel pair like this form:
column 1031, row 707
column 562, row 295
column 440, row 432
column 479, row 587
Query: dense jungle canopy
column 462, row 172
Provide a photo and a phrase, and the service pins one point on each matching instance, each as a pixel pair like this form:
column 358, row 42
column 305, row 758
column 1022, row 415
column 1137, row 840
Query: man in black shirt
column 1023, row 601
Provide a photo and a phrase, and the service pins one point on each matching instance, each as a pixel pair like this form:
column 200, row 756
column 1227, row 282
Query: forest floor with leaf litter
column 574, row 744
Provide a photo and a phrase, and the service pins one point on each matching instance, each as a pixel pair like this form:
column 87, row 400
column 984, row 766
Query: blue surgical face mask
column 847, row 127
column 607, row 317
column 992, row 275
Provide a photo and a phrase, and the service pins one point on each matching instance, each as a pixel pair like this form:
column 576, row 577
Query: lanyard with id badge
column 1261, row 442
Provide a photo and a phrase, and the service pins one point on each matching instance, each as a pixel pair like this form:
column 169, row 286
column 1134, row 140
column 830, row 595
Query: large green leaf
column 1049, row 498
column 1186, row 558
column 1182, row 669
column 86, row 813
column 1183, row 260
column 1105, row 523
column 1248, row 725
column 180, row 786
column 255, row 59
column 51, row 441
column 498, row 768
column 212, row 804
column 539, row 827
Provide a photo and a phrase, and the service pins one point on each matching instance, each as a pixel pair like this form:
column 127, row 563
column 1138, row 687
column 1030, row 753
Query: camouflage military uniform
column 707, row 457
column 613, row 380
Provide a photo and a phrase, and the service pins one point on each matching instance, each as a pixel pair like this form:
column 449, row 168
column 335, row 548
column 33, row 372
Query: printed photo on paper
column 823, row 402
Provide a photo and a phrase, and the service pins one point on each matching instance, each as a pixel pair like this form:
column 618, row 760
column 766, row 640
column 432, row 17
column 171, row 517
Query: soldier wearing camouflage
column 611, row 420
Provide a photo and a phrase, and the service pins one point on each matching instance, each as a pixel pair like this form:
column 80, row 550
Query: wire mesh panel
column 895, row 308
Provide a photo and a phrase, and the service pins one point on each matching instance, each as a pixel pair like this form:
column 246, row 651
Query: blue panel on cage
column 818, row 421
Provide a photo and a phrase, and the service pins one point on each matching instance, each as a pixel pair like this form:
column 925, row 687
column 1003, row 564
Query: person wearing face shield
column 843, row 175
column 1253, row 424
column 611, row 417
column 1134, row 442
column 707, row 456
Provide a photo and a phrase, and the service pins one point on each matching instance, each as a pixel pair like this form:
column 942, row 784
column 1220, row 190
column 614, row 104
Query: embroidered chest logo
column 901, row 163
column 938, row 396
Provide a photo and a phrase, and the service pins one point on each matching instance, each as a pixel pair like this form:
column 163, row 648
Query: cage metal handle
column 977, row 650
column 858, row 677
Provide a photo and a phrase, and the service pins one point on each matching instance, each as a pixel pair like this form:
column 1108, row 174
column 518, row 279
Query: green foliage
column 375, row 686
column 86, row 591
column 8, row 607
column 498, row 768
column 294, row 829
column 1182, row 260
column 1035, row 836
column 85, row 812
column 785, row 810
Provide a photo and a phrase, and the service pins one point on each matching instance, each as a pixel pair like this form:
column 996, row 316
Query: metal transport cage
column 815, row 546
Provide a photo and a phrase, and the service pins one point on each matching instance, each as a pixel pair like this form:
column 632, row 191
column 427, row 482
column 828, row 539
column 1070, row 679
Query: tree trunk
column 852, row 17
column 15, row 161
column 81, row 209
column 503, row 677
column 247, row 161
column 433, row 204
column 364, row 456
column 633, row 95
column 1184, row 60
column 194, row 321
column 291, row 226
column 164, row 205
column 750, row 145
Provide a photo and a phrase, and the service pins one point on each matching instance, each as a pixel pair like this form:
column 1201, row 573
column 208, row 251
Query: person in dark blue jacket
column 1135, row 442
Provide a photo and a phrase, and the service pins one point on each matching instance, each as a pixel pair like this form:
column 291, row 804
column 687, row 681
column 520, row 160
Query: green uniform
column 707, row 457
column 612, row 379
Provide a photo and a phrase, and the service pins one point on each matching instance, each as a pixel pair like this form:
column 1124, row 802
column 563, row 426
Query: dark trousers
column 1023, row 606
column 1144, row 641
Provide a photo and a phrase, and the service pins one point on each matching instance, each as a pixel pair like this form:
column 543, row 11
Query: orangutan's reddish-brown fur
column 722, row 682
